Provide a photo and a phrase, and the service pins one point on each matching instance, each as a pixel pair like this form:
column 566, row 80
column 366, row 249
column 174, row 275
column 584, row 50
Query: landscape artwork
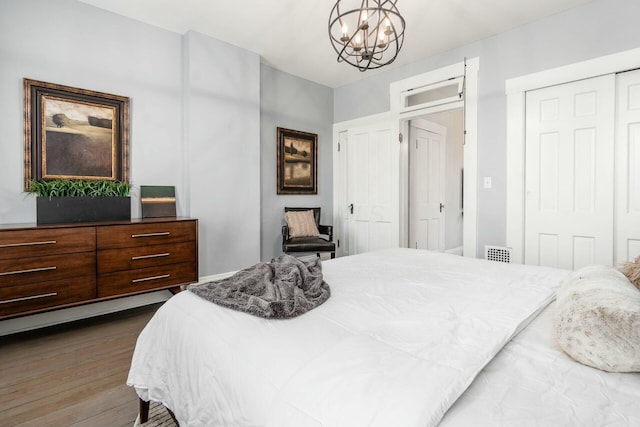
column 79, row 140
column 297, row 162
column 72, row 133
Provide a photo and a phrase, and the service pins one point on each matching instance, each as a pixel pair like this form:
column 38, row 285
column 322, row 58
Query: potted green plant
column 67, row 200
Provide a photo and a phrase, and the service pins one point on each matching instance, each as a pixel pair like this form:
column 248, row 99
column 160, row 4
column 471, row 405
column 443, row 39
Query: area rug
column 158, row 417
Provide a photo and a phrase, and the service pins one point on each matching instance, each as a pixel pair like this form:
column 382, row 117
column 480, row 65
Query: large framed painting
column 297, row 162
column 74, row 133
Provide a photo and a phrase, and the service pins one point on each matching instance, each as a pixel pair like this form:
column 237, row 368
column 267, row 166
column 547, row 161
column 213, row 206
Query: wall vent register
column 497, row 253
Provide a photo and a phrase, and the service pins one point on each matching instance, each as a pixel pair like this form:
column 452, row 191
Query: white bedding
column 402, row 336
column 531, row 382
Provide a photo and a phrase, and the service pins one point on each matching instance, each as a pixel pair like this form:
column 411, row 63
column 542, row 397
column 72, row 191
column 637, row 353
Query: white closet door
column 628, row 166
column 569, row 174
column 372, row 188
column 427, row 186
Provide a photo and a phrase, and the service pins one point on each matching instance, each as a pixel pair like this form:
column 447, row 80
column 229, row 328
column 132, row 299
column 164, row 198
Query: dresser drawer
column 36, row 242
column 40, row 269
column 124, row 236
column 144, row 279
column 111, row 260
column 34, row 297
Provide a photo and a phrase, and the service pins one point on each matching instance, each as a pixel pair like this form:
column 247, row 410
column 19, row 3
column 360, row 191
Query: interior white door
column 372, row 188
column 427, row 168
column 569, row 184
column 628, row 166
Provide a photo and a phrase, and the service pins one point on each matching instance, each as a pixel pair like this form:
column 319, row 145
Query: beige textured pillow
column 598, row 319
column 632, row 271
column 301, row 224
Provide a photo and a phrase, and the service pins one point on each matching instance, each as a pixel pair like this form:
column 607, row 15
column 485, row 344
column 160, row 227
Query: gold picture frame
column 297, row 162
column 72, row 133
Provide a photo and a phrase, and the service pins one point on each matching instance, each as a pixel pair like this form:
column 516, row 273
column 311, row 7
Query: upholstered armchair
column 294, row 242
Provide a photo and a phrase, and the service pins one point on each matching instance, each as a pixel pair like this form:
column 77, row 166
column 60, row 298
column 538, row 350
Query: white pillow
column 598, row 319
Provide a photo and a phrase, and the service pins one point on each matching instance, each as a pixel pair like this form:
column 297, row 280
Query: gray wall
column 598, row 28
column 294, row 103
column 222, row 142
column 195, row 114
column 70, row 43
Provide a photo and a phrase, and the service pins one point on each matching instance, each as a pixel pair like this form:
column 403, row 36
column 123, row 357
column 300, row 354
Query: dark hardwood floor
column 72, row 374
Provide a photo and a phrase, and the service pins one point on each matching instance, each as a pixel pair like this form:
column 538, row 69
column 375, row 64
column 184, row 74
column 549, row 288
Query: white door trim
column 515, row 89
column 470, row 104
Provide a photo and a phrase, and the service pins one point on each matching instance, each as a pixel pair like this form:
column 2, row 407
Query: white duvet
column 402, row 336
column 532, row 382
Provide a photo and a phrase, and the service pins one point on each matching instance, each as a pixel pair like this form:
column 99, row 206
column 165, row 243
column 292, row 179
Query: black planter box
column 60, row 210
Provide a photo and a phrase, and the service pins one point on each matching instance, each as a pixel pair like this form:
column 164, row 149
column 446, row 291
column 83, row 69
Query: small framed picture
column 74, row 133
column 297, row 162
column 158, row 201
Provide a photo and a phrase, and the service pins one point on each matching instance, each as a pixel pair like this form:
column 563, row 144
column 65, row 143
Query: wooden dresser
column 54, row 266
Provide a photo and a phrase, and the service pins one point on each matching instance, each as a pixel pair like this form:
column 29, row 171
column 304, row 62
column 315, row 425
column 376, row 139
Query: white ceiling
column 292, row 35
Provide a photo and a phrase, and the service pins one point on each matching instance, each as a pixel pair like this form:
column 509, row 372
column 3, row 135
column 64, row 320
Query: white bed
column 403, row 335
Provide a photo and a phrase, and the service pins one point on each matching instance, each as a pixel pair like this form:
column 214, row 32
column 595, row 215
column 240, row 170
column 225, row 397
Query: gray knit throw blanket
column 283, row 288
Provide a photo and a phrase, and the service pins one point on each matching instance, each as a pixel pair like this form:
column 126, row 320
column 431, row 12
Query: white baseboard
column 215, row 277
column 454, row 251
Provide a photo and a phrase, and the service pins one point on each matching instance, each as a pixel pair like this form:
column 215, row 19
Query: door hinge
column 400, row 137
column 338, row 147
column 338, row 242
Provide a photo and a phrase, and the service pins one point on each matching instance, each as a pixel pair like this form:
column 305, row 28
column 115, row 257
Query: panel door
column 427, row 186
column 372, row 189
column 569, row 174
column 628, row 166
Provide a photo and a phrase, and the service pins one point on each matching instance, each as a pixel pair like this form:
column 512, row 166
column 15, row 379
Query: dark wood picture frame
column 72, row 133
column 297, row 162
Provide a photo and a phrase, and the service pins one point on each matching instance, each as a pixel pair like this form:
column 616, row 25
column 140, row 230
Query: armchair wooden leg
column 333, row 255
column 144, row 411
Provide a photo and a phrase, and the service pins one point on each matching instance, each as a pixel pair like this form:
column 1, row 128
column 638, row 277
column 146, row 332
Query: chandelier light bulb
column 345, row 34
column 381, row 43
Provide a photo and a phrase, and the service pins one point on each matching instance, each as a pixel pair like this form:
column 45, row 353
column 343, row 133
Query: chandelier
column 369, row 36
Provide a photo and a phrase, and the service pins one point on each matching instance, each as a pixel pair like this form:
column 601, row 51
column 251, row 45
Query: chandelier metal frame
column 376, row 36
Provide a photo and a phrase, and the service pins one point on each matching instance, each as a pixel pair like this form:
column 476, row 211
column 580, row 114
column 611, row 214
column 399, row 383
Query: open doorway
column 371, row 201
column 451, row 88
column 435, row 202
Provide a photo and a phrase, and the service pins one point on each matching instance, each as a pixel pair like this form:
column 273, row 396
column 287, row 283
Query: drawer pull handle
column 31, row 270
column 163, row 276
column 135, row 258
column 9, row 301
column 163, row 233
column 13, row 245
